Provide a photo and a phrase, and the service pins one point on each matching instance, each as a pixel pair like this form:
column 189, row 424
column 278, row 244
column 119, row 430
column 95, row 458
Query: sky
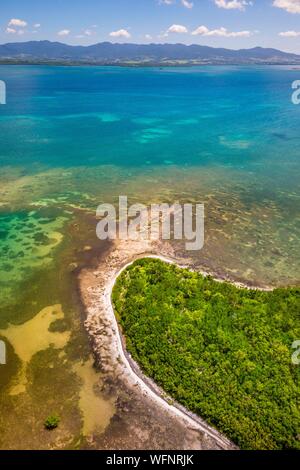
column 232, row 24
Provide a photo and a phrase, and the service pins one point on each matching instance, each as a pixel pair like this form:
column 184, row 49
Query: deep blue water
column 240, row 117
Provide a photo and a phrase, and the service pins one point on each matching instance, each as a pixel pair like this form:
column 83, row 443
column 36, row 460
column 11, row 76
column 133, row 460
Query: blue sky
column 226, row 23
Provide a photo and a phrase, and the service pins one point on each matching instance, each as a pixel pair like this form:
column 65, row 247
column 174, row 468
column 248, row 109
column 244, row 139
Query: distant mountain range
column 135, row 54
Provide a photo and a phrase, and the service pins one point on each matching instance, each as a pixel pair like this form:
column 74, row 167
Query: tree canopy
column 223, row 352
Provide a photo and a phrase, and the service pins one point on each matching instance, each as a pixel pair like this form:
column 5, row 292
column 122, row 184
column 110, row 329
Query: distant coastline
column 59, row 63
column 146, row 55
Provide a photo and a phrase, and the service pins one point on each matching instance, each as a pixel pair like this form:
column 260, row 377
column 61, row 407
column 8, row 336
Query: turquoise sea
column 74, row 137
column 240, row 117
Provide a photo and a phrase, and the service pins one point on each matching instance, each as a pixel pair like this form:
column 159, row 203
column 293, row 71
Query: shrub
column 52, row 422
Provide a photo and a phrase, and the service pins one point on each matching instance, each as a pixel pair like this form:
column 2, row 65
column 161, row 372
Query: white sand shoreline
column 109, row 344
column 145, row 383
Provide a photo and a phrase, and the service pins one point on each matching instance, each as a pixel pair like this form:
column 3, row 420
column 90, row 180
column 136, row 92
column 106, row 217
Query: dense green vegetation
column 52, row 422
column 223, row 352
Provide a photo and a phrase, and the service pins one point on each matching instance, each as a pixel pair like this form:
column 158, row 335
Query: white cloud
column 290, row 34
column 17, row 22
column 121, row 33
column 187, row 4
column 233, row 4
column 37, row 25
column 291, row 6
column 176, row 28
column 148, row 36
column 64, row 32
column 10, row 30
column 88, row 32
column 221, row 32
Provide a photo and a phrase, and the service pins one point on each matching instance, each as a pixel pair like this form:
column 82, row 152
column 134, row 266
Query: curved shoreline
column 152, row 411
column 121, row 372
column 147, row 384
